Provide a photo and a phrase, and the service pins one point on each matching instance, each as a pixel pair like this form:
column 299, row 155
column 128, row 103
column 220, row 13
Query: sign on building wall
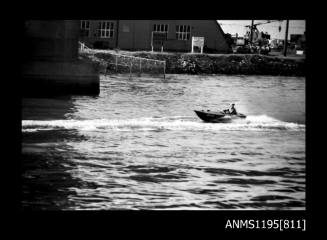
column 197, row 42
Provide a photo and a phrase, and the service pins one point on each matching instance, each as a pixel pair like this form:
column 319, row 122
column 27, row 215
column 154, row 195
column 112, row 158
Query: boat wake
column 182, row 123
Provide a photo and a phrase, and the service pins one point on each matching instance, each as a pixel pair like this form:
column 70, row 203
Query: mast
column 286, row 37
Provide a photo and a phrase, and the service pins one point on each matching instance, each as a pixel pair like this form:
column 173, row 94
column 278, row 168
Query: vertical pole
column 286, row 37
column 140, row 67
column 152, row 41
column 192, row 46
column 251, row 36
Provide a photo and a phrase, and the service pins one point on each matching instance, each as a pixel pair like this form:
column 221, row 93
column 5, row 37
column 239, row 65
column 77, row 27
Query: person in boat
column 232, row 110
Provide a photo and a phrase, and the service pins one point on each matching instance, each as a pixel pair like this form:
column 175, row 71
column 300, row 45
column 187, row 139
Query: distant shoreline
column 229, row 64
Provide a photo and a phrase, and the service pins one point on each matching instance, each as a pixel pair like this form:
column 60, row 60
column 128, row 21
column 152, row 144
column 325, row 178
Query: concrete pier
column 51, row 65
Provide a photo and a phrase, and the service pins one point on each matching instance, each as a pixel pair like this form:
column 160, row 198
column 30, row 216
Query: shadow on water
column 45, row 170
column 47, row 108
column 45, row 158
column 50, row 108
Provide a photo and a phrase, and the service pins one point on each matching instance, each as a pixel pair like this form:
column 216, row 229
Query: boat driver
column 233, row 110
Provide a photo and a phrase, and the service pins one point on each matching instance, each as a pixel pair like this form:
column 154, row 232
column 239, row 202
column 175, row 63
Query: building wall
column 209, row 29
column 93, row 40
column 173, row 44
column 136, row 35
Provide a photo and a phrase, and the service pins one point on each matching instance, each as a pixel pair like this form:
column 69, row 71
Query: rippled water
column 139, row 145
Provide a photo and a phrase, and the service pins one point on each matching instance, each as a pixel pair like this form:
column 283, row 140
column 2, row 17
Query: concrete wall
column 50, row 60
column 51, row 40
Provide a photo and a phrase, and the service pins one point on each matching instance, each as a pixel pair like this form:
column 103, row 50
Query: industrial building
column 139, row 35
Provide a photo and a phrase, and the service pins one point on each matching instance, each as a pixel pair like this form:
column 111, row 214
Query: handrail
column 129, row 57
column 123, row 55
column 83, row 45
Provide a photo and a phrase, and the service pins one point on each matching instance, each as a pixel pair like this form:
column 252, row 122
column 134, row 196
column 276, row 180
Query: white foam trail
column 251, row 123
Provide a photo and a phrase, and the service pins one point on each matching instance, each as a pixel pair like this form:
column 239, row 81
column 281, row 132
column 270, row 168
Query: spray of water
column 182, row 123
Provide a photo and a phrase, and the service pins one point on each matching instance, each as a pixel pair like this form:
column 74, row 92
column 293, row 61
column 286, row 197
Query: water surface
column 139, row 145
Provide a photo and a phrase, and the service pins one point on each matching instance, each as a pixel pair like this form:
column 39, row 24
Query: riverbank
column 229, row 64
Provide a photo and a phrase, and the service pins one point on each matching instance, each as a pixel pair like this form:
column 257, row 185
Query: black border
column 185, row 222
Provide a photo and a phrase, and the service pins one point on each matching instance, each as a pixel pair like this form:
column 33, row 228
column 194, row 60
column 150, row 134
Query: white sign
column 197, row 42
column 240, row 41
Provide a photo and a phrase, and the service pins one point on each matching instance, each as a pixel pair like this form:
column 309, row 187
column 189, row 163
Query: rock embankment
column 245, row 64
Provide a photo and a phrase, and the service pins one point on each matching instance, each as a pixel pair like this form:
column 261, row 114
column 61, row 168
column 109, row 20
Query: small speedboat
column 218, row 116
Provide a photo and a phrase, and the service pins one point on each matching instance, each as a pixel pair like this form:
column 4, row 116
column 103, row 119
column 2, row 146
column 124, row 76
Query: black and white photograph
column 163, row 115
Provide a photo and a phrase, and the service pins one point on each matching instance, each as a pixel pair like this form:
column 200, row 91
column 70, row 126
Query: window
column 163, row 28
column 85, row 28
column 183, row 32
column 106, row 29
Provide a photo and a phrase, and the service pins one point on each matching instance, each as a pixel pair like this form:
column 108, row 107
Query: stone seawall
column 245, row 64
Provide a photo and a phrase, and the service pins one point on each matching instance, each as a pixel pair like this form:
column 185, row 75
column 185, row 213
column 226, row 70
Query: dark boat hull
column 217, row 117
